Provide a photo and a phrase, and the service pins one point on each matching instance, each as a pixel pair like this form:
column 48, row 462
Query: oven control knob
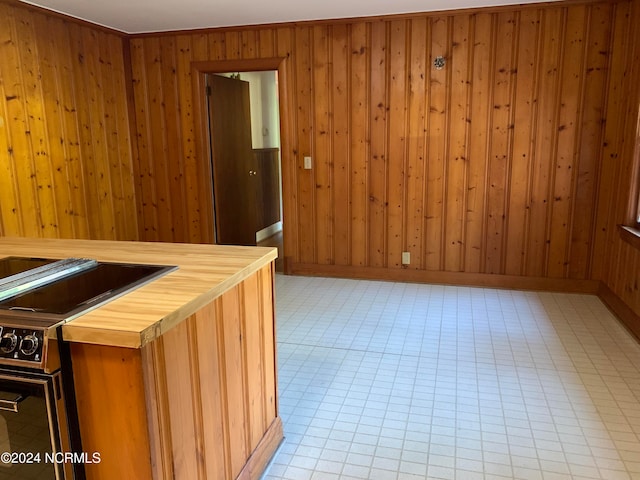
column 8, row 342
column 29, row 344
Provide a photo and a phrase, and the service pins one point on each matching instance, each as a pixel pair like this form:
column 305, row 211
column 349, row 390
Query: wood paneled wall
column 66, row 166
column 619, row 253
column 490, row 165
column 494, row 164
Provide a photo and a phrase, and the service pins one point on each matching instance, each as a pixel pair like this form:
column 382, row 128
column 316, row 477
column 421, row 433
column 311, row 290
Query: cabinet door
column 268, row 194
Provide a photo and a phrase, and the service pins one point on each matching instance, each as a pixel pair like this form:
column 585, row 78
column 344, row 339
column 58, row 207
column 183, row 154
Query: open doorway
column 244, row 136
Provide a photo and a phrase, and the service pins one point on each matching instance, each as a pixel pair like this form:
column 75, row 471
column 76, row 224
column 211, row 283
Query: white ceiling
column 139, row 16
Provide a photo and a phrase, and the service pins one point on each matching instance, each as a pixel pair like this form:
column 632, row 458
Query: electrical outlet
column 406, row 258
column 307, row 163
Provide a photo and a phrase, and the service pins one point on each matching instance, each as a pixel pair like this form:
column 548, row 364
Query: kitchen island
column 177, row 378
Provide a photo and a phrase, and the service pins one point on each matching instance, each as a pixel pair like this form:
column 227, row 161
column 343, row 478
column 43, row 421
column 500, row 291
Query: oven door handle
column 12, row 405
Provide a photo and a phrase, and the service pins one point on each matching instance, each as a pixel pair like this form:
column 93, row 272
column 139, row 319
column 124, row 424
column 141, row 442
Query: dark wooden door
column 233, row 165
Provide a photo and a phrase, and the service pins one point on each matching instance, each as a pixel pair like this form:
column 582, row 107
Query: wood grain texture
column 198, row 402
column 65, row 148
column 482, row 167
column 213, row 386
column 616, row 257
column 557, row 147
column 205, row 272
column 111, row 401
column 267, row 162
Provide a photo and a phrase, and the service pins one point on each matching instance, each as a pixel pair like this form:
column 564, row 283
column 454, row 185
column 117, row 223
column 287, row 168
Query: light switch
column 307, row 163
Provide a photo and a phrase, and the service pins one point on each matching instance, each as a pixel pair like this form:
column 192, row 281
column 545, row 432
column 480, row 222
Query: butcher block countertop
column 142, row 315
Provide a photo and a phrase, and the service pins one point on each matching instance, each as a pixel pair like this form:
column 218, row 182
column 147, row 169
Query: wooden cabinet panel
column 267, row 166
column 112, row 410
column 199, row 402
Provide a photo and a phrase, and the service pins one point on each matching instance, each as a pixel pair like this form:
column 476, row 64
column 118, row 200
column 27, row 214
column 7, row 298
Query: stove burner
column 37, row 277
column 29, row 319
column 77, row 292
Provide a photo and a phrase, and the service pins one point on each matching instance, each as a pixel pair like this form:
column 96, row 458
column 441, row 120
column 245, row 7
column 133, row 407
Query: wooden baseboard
column 261, row 456
column 447, row 278
column 629, row 318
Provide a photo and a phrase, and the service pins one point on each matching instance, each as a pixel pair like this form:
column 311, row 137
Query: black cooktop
column 78, row 292
column 14, row 265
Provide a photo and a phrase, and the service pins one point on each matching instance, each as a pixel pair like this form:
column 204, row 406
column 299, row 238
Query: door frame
column 199, row 70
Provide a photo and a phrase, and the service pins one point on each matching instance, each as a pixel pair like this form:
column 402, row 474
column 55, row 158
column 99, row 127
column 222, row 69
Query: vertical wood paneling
column 75, row 159
column 394, row 129
column 598, row 31
column 522, row 154
column 322, row 149
column 235, row 384
column 566, row 156
column 198, row 402
column 611, row 178
column 83, row 85
column 176, row 200
column 360, row 143
column 266, row 43
column 340, row 145
column 94, row 77
column 416, row 158
column 500, row 142
column 46, row 214
column 217, row 46
column 387, row 132
column 207, row 324
column 303, row 99
column 267, row 302
column 219, row 374
column 547, row 100
column 19, row 151
column 480, row 167
column 254, row 354
column 378, row 107
column 55, row 127
column 249, row 44
column 120, row 140
column 233, row 44
column 436, row 146
column 187, row 462
column 158, row 126
column 188, row 47
column 478, row 143
column 290, row 149
column 146, row 187
column 397, row 144
column 64, row 130
column 456, row 196
column 617, row 257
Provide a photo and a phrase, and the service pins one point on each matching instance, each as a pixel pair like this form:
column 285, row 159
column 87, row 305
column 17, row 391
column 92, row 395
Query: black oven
column 33, row 427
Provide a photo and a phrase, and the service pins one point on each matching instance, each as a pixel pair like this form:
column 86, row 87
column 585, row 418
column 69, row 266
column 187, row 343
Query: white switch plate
column 406, row 258
column 307, row 163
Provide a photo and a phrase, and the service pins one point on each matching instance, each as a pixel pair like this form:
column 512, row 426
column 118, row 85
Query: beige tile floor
column 381, row 380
